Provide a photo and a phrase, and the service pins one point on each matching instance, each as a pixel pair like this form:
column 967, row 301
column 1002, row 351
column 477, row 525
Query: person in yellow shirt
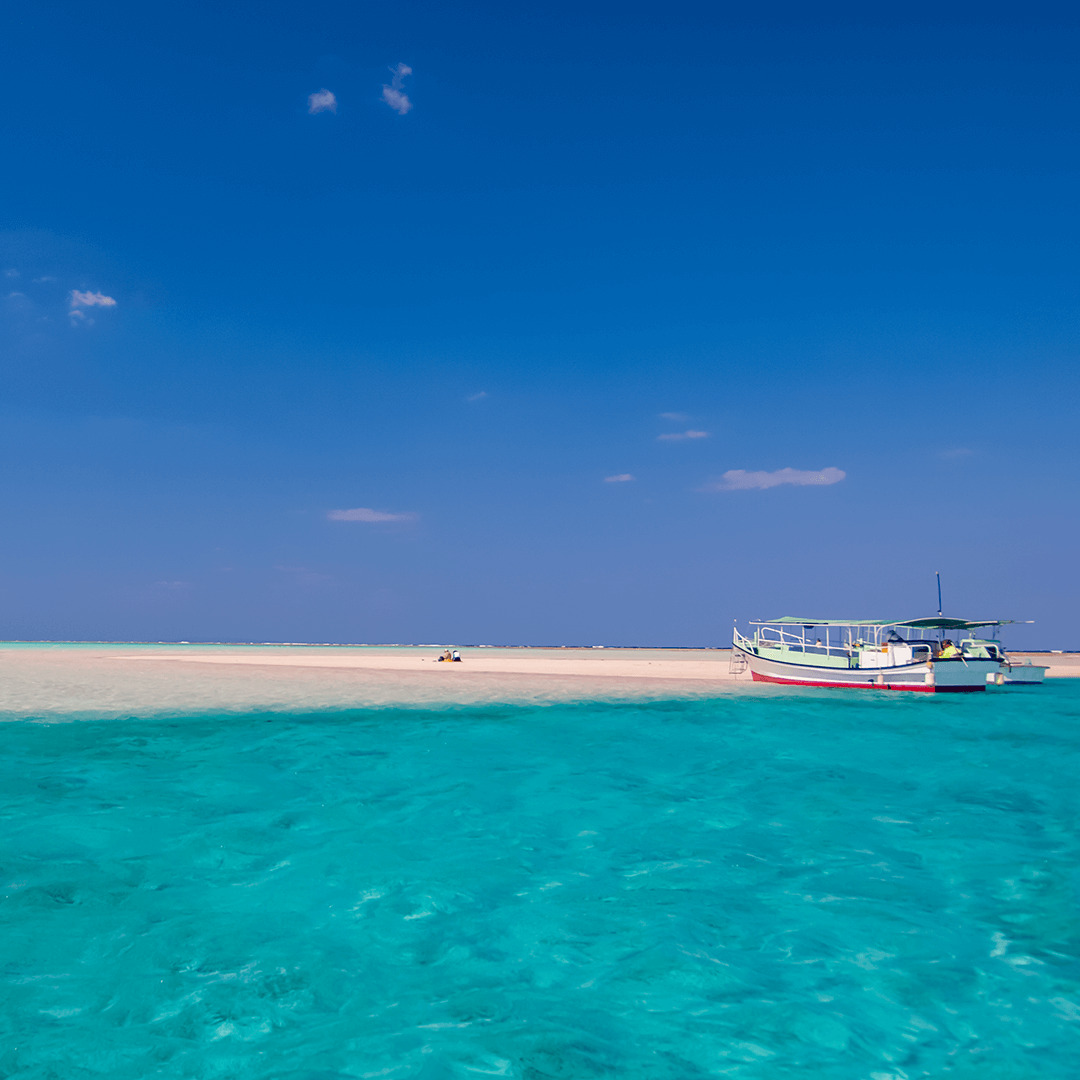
column 948, row 651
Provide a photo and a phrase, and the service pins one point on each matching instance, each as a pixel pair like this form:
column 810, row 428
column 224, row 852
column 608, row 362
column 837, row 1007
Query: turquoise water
column 762, row 885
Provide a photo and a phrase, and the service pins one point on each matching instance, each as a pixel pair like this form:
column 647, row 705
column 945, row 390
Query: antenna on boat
column 937, row 574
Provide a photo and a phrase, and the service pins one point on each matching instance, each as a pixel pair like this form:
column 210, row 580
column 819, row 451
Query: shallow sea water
column 759, row 885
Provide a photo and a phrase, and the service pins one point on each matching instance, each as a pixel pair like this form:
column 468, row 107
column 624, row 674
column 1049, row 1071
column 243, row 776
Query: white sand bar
column 116, row 680
column 113, row 680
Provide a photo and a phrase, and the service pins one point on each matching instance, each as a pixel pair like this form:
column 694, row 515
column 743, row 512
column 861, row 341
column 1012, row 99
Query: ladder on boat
column 738, row 663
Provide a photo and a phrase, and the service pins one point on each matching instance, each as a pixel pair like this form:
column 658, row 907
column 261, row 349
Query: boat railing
column 773, row 637
column 776, row 637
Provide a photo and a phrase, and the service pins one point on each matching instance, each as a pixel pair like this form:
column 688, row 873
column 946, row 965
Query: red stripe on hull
column 919, row 689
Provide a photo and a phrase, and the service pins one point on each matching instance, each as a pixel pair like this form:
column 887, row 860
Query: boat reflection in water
column 876, row 654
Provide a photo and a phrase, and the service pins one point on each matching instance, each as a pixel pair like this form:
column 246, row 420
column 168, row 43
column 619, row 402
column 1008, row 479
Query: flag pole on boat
column 937, row 573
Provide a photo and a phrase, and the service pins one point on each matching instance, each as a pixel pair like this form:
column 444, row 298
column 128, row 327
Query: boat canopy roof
column 934, row 622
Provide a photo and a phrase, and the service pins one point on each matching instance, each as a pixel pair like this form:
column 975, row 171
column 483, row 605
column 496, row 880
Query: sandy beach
column 1058, row 665
column 693, row 664
column 109, row 680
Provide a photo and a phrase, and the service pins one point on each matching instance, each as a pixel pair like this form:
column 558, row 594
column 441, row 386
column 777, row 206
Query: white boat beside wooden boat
column 868, row 654
column 1025, row 674
column 1013, row 671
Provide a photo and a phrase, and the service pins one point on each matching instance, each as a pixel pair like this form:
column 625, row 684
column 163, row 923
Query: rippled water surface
column 755, row 886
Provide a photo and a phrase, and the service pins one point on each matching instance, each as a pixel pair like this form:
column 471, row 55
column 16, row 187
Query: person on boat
column 948, row 651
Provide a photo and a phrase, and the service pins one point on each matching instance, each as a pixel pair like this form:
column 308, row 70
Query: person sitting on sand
column 948, row 651
column 456, row 657
column 446, row 655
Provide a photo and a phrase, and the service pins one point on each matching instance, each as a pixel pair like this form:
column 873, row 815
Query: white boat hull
column 1023, row 674
column 928, row 677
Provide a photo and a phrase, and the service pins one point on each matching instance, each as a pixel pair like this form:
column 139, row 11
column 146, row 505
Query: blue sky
column 335, row 323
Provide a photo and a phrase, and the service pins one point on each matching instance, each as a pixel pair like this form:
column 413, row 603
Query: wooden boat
column 866, row 654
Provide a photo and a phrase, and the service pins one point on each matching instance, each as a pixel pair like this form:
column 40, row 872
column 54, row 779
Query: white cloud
column 741, row 480
column 165, row 591
column 678, row 417
column 680, row 436
column 397, row 101
column 322, row 101
column 394, row 95
column 17, row 302
column 478, row 396
column 90, row 299
column 303, row 575
column 13, row 273
column 619, row 478
column 365, row 513
column 45, row 279
column 172, row 586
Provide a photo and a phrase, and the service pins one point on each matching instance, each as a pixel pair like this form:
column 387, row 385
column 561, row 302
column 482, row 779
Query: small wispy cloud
column 166, row 591
column 741, row 480
column 172, row 586
column 681, row 436
column 77, row 301
column 365, row 513
column 17, row 302
column 678, row 417
column 478, row 396
column 12, row 273
column 303, row 575
column 321, row 101
column 394, row 94
column 619, row 478
column 90, row 299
